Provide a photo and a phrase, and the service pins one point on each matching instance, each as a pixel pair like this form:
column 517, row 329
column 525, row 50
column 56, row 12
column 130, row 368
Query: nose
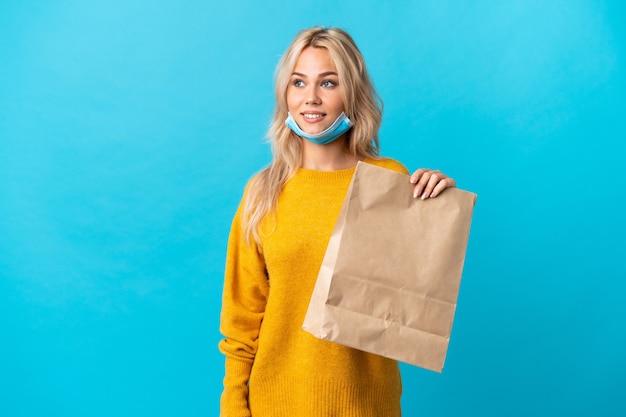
column 312, row 95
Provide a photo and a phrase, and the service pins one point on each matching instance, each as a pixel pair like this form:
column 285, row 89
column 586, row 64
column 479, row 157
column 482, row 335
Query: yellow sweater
column 273, row 367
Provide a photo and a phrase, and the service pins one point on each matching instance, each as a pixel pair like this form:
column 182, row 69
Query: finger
column 422, row 183
column 434, row 179
column 417, row 175
column 441, row 185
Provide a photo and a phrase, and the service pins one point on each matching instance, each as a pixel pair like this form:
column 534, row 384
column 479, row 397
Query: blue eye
column 298, row 83
column 328, row 83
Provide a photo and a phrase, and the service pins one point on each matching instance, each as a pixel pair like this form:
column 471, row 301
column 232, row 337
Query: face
column 314, row 93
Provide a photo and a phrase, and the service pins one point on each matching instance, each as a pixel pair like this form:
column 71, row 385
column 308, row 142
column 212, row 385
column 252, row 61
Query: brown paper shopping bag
column 390, row 277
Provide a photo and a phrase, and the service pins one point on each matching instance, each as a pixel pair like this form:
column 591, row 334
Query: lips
column 313, row 117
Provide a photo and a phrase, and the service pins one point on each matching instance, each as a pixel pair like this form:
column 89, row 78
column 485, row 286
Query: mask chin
column 340, row 126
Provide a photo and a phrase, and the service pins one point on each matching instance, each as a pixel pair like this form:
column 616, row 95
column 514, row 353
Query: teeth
column 312, row 116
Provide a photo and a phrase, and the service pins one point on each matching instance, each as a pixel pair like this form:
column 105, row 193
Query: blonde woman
column 326, row 119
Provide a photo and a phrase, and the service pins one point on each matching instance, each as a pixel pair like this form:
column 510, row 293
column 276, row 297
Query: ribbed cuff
column 288, row 397
column 234, row 400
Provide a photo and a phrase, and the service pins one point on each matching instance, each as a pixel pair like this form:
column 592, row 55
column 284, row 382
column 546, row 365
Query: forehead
column 313, row 61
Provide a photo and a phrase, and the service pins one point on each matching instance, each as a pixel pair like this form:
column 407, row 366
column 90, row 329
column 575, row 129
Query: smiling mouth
column 315, row 116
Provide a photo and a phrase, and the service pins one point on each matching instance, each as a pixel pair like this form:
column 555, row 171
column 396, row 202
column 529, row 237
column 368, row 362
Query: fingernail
column 415, row 193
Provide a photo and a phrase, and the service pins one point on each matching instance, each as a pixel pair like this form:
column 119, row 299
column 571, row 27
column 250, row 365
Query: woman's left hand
column 430, row 183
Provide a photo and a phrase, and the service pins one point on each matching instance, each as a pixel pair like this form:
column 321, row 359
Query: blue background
column 128, row 130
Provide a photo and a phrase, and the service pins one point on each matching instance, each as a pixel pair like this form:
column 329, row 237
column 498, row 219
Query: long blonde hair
column 361, row 104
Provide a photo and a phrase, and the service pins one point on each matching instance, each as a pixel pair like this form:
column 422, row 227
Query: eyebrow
column 323, row 74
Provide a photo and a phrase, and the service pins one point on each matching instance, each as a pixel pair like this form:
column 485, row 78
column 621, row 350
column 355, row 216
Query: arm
column 245, row 293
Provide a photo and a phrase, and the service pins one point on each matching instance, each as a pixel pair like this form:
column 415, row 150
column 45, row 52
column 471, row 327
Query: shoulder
column 251, row 188
column 388, row 163
column 255, row 181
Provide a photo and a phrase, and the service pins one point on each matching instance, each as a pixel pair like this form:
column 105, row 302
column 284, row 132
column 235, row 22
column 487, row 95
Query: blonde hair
column 361, row 104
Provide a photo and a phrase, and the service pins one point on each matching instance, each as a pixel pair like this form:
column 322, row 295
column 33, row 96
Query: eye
column 297, row 82
column 329, row 83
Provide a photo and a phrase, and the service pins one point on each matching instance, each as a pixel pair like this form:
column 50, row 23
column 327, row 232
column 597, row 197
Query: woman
column 326, row 119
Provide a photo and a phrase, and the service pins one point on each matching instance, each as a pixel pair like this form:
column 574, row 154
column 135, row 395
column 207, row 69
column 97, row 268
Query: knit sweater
column 273, row 367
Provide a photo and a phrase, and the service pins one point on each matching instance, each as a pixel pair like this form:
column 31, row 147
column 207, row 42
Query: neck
column 330, row 157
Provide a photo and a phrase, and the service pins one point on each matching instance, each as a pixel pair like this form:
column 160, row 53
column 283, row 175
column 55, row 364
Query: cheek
column 290, row 98
column 339, row 105
column 337, row 101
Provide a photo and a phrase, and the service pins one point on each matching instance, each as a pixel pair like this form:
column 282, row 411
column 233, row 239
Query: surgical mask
column 338, row 128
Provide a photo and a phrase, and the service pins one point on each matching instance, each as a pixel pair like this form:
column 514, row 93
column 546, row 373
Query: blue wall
column 128, row 130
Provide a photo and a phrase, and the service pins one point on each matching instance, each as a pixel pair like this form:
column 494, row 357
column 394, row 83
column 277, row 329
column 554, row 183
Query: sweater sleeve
column 246, row 288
